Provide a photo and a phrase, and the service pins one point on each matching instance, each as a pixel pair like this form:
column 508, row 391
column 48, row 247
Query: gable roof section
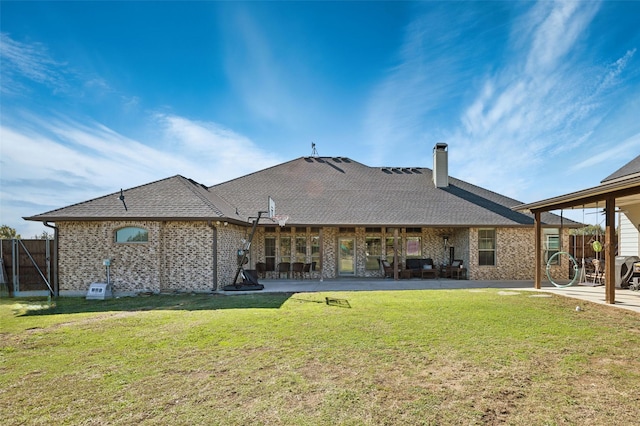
column 340, row 191
column 174, row 198
column 631, row 169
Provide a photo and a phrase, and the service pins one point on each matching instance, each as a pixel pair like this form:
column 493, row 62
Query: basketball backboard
column 271, row 208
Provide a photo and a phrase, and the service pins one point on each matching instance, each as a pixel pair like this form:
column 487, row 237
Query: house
column 628, row 210
column 617, row 193
column 178, row 235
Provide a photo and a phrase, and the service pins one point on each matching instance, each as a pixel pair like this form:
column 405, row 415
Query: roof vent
column 440, row 166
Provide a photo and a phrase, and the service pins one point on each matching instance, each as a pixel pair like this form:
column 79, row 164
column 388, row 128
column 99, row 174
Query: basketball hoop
column 281, row 219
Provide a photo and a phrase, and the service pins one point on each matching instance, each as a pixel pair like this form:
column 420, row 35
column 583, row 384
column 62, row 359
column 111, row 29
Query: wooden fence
column 580, row 247
column 26, row 274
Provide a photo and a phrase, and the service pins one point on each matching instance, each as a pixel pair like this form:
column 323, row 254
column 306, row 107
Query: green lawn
column 432, row 357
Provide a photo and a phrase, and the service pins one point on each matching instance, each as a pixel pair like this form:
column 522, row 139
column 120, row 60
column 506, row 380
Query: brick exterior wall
column 179, row 256
column 515, row 256
column 83, row 246
column 514, row 250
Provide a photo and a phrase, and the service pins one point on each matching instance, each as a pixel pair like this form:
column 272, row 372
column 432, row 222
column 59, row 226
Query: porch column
column 537, row 274
column 610, row 250
column 321, row 257
column 395, row 254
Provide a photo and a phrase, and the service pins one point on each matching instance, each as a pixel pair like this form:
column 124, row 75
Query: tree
column 8, row 233
column 43, row 236
column 588, row 230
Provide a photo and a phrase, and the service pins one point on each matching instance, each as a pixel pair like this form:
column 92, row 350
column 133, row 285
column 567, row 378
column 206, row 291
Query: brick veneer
column 179, row 255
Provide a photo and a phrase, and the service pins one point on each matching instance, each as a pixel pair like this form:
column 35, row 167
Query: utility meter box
column 99, row 291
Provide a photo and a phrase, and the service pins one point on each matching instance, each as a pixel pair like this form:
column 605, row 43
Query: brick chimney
column 440, row 166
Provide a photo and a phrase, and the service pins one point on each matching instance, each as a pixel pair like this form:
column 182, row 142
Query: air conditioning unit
column 99, row 291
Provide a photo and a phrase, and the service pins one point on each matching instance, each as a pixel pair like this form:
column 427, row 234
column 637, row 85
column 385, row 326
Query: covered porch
column 613, row 196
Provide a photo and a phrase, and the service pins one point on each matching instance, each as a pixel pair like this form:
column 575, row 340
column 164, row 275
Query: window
column 285, row 250
column 414, row 247
column 373, row 252
column 301, row 249
column 551, row 245
column 389, row 248
column 315, row 250
column 132, row 234
column 270, row 253
column 487, row 247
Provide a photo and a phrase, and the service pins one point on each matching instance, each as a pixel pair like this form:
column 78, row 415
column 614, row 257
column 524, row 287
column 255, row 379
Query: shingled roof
column 174, row 198
column 631, row 169
column 318, row 191
column 313, row 191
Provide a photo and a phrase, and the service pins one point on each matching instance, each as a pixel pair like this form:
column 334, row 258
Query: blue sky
column 534, row 99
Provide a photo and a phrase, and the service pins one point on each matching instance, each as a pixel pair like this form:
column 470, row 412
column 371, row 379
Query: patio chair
column 598, row 274
column 284, row 268
column 307, row 270
column 261, row 268
column 297, row 270
column 456, row 264
column 387, row 268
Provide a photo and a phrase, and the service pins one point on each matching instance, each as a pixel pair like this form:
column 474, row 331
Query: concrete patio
column 625, row 299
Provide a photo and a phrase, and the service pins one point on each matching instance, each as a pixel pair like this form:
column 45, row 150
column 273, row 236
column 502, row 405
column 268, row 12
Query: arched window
column 132, row 234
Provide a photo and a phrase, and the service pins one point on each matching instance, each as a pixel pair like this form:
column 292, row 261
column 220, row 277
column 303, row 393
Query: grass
column 406, row 357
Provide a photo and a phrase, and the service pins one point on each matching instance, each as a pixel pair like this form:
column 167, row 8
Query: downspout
column 56, row 287
column 537, row 272
column 214, row 256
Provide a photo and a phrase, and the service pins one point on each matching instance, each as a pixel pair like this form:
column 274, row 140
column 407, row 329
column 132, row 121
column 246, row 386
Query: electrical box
column 106, row 262
column 99, row 291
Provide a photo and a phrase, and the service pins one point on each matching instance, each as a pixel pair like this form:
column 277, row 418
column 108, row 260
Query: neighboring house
column 178, row 235
column 629, row 213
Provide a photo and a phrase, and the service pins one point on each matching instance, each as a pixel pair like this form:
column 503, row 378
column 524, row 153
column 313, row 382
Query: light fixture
column 217, row 223
column 226, row 223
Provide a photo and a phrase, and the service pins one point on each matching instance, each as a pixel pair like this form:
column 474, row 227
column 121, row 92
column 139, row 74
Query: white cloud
column 422, row 81
column 51, row 163
column 537, row 110
column 51, row 160
column 560, row 25
column 223, row 153
column 619, row 151
column 31, row 62
column 261, row 76
column 614, row 70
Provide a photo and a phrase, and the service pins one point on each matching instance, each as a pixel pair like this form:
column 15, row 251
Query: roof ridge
column 191, row 184
column 253, row 173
